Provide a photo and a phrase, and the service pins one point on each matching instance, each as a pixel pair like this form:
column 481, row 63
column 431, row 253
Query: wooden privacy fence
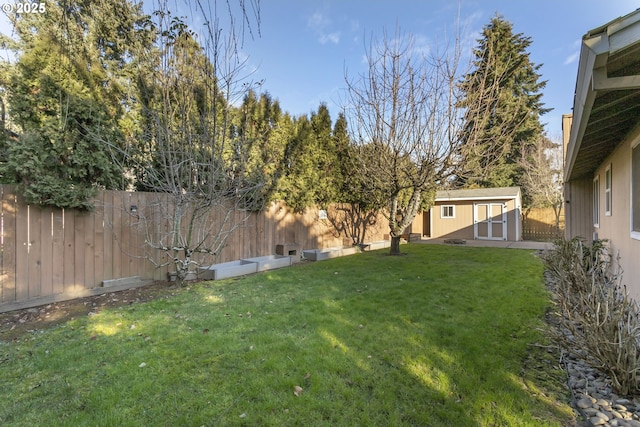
column 50, row 254
column 540, row 224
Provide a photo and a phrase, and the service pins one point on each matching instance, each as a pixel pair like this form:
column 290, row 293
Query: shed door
column 490, row 221
column 426, row 223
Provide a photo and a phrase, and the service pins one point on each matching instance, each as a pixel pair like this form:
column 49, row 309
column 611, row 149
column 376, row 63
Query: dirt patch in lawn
column 14, row 324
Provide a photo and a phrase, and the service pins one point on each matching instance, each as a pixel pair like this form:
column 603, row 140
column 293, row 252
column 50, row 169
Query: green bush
column 597, row 316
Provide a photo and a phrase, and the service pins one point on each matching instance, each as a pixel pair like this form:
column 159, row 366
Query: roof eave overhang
column 454, row 199
column 593, row 55
column 597, row 46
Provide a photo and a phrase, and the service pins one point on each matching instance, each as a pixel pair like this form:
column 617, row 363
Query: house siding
column 578, row 195
column 616, row 228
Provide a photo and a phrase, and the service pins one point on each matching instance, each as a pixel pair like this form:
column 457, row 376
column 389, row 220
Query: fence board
column 118, row 238
column 46, row 250
column 69, row 251
column 122, row 208
column 58, row 252
column 98, row 242
column 141, row 267
column 8, row 240
column 22, row 249
column 90, row 249
column 33, row 251
column 79, row 229
column 129, row 238
column 106, row 210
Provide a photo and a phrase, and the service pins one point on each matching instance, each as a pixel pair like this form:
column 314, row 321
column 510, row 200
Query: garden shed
column 479, row 214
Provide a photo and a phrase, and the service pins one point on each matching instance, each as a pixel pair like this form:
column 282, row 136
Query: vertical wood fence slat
column 58, row 252
column 46, row 251
column 79, row 251
column 69, row 250
column 128, row 222
column 107, row 242
column 98, row 242
column 117, row 236
column 143, row 266
column 8, row 271
column 163, row 205
column 22, row 250
column 90, row 250
column 125, row 237
column 34, row 244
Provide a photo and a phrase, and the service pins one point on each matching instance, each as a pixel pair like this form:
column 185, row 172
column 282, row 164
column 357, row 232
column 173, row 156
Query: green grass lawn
column 442, row 336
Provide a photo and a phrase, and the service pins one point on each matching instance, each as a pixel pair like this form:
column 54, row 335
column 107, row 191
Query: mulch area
column 14, row 324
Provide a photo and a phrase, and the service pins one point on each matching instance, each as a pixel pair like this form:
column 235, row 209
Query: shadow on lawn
column 441, row 356
column 428, row 346
column 430, row 381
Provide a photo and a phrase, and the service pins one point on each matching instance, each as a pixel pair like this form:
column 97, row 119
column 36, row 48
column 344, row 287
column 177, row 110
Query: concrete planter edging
column 327, row 253
column 270, row 262
column 229, row 269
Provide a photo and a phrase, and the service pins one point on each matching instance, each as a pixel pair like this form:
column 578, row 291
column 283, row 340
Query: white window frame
column 607, row 190
column 634, row 234
column 453, row 211
column 596, row 201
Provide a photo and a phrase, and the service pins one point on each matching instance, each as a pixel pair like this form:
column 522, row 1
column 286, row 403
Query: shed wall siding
column 462, row 226
column 513, row 216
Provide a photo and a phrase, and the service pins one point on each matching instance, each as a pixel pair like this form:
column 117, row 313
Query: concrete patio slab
column 523, row 244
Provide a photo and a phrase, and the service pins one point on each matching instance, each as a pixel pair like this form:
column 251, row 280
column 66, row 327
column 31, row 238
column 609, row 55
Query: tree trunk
column 395, row 245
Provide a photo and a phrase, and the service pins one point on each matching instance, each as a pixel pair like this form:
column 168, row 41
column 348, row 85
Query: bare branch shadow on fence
column 175, row 236
column 352, row 221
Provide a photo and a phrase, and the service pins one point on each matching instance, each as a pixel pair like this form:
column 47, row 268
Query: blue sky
column 305, row 46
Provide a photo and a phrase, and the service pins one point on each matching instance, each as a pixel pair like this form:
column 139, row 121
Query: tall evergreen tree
column 312, row 173
column 502, row 102
column 261, row 130
column 66, row 96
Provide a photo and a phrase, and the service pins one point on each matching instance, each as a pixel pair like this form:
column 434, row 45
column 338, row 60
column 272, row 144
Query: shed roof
column 606, row 104
column 479, row 194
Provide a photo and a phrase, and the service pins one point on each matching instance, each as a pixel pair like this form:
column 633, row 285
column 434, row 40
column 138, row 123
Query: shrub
column 597, row 317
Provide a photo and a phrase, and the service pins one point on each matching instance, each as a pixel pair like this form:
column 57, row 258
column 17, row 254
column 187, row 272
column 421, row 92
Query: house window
column 607, row 191
column 635, row 192
column 447, row 211
column 596, row 201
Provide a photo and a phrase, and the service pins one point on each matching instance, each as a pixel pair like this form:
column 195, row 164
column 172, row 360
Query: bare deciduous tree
column 186, row 152
column 403, row 117
column 541, row 179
